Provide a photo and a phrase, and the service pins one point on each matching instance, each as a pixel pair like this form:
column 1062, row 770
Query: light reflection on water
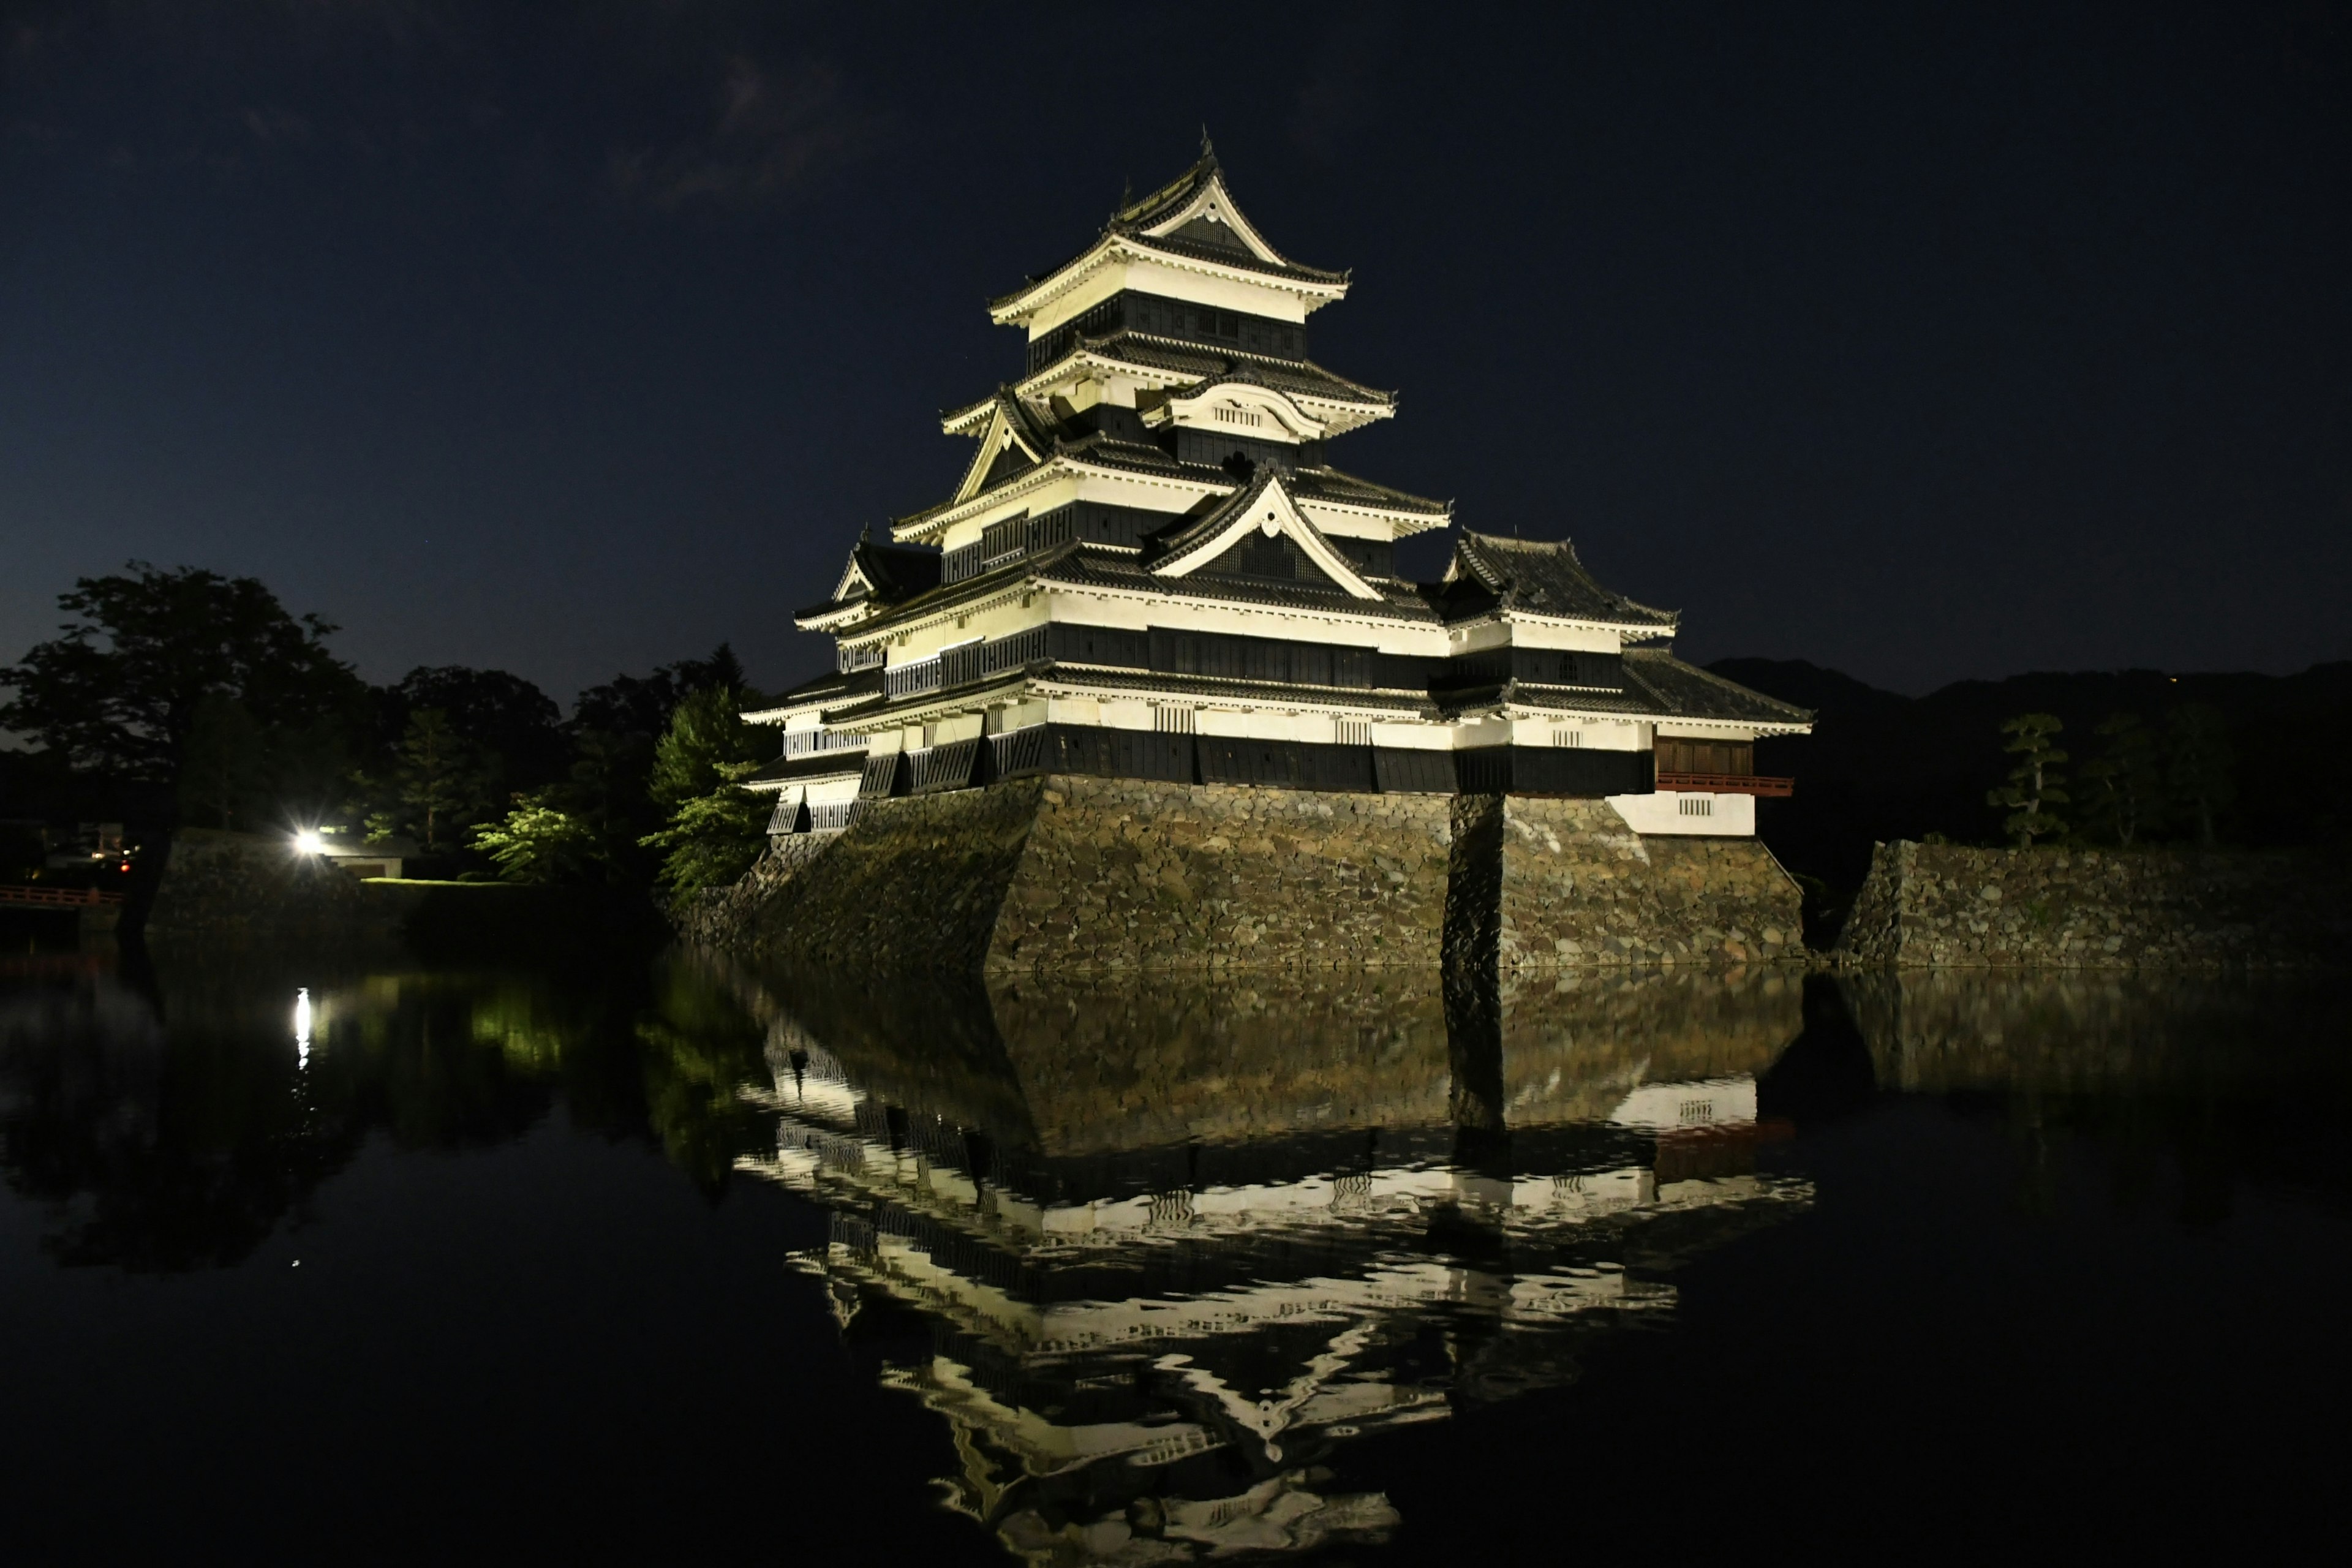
column 1182, row 1243
column 1175, row 1246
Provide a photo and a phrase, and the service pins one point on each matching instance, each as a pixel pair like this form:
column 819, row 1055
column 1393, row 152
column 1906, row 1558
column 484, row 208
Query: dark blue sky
column 1922, row 343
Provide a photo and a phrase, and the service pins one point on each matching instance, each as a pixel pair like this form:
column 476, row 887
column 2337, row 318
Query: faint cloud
column 772, row 129
column 272, row 124
column 1341, row 93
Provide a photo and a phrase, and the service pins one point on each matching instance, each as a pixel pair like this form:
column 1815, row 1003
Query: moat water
column 673, row 1259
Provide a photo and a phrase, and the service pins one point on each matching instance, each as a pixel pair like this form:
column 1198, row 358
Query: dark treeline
column 2150, row 758
column 183, row 699
column 164, row 1150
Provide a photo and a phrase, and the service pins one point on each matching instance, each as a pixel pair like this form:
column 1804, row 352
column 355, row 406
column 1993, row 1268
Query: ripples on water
column 1173, row 1268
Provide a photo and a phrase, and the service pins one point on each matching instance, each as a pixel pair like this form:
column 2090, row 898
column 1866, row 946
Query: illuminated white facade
column 1152, row 569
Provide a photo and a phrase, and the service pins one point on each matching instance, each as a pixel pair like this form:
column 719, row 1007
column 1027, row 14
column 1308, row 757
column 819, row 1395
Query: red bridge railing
column 24, row 898
column 1727, row 783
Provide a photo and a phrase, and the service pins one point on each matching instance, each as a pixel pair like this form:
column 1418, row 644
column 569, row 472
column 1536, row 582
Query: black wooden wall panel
column 1402, row 772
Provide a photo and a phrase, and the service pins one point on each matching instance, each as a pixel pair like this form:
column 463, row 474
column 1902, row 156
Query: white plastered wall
column 1687, row 814
column 1593, row 734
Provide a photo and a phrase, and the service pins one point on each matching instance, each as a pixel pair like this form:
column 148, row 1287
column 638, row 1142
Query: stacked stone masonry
column 1939, row 906
column 250, row 889
column 1579, row 887
column 1084, row 874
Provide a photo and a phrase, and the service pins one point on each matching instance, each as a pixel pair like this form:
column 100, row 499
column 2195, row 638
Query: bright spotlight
column 308, row 843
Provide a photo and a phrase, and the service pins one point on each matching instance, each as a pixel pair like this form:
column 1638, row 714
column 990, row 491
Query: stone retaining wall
column 1126, row 873
column 1076, row 873
column 713, row 919
column 1081, row 874
column 225, row 892
column 1572, row 885
column 246, row 888
column 1935, row 905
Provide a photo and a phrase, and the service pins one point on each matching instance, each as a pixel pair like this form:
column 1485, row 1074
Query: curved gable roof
column 1192, row 217
column 1543, row 577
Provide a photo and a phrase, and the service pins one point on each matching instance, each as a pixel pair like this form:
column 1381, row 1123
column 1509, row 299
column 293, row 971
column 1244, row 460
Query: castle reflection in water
column 1164, row 1257
column 1176, row 1243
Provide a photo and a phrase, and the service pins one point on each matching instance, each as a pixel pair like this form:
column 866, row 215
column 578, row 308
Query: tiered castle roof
column 1151, row 532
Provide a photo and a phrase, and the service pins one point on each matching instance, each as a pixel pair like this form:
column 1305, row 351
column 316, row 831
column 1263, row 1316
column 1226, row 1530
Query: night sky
column 1922, row 342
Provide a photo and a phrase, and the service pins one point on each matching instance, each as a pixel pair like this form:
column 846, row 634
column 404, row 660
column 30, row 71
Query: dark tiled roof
column 1175, row 244
column 1632, row 702
column 1657, row 686
column 1541, row 578
column 1415, row 702
column 832, row 686
column 1105, row 451
column 896, row 571
column 824, row 764
column 1321, row 483
column 1086, row 568
column 1101, row 677
column 1297, row 376
column 1141, row 457
column 955, row 594
column 1204, row 522
column 1687, row 691
column 1134, row 216
column 881, row 713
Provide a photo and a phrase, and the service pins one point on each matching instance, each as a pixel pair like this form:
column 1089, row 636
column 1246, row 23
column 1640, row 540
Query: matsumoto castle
column 1153, row 570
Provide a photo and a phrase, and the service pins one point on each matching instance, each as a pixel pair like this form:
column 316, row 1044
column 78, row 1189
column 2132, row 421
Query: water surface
column 687, row 1259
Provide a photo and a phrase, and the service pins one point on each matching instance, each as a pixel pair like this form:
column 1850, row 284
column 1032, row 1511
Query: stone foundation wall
column 1936, row 906
column 1125, row 873
column 712, row 920
column 226, row 893
column 1082, row 874
column 915, row 883
column 1077, row 873
column 247, row 889
column 1576, row 887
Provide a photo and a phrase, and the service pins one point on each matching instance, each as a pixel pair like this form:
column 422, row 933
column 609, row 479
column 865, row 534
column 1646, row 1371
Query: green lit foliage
column 2034, row 783
column 713, row 838
column 699, row 1049
column 541, row 841
column 716, row 828
column 2126, row 785
column 2200, row 766
column 616, row 730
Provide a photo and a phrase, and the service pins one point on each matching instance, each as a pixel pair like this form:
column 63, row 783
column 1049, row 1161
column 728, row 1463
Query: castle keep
column 1152, row 576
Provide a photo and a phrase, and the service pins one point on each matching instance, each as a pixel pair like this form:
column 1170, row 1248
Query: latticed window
column 1352, row 732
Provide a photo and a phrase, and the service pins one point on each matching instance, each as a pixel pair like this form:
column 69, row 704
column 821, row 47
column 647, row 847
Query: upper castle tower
column 1151, row 568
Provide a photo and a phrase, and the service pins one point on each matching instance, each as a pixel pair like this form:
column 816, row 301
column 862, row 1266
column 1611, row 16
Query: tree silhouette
column 2126, row 782
column 222, row 764
column 119, row 693
column 2034, row 782
column 443, row 778
column 2199, row 768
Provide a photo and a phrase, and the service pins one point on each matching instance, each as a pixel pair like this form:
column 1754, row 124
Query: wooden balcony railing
column 1727, row 783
